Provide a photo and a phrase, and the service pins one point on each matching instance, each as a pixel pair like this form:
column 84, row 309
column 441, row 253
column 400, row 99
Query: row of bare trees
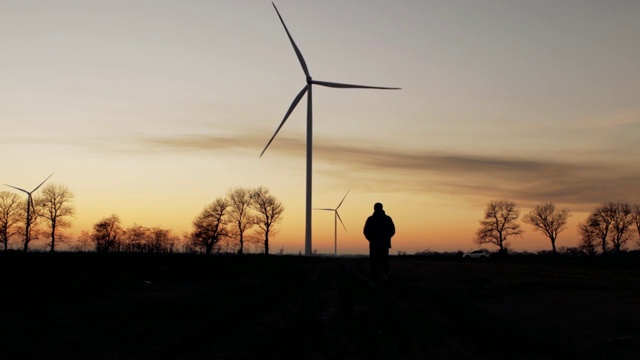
column 108, row 235
column 228, row 217
column 233, row 215
column 610, row 226
column 49, row 213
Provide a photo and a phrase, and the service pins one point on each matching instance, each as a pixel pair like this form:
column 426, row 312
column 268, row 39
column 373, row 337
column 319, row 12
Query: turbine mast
column 307, row 235
column 335, row 233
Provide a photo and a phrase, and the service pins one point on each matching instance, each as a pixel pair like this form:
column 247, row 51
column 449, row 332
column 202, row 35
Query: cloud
column 203, row 143
column 578, row 182
column 621, row 119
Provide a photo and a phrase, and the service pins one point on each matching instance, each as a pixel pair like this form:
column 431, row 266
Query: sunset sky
column 152, row 109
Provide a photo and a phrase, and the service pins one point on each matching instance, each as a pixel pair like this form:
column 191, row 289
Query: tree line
column 251, row 214
column 233, row 215
column 243, row 214
column 608, row 228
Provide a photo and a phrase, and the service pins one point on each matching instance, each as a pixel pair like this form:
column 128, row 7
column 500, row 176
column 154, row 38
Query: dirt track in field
column 172, row 307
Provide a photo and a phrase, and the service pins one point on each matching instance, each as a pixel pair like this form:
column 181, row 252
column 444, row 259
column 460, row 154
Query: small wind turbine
column 335, row 226
column 307, row 90
column 29, row 207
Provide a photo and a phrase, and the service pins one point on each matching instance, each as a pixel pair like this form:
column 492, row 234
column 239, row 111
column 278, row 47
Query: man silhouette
column 378, row 230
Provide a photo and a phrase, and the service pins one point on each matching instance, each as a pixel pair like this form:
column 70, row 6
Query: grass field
column 125, row 306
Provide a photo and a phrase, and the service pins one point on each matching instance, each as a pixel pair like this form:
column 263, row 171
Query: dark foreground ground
column 86, row 306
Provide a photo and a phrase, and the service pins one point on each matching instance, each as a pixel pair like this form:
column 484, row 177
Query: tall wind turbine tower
column 307, row 90
column 336, row 217
column 29, row 208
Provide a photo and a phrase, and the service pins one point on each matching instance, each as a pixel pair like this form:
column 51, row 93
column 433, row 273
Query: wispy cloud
column 578, row 182
column 622, row 119
column 203, row 143
column 581, row 183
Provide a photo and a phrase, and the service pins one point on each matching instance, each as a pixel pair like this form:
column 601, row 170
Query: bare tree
column 9, row 216
column 107, row 234
column 55, row 206
column 269, row 212
column 30, row 231
column 240, row 212
column 636, row 220
column 611, row 223
column 588, row 239
column 545, row 219
column 621, row 222
column 228, row 244
column 499, row 223
column 210, row 226
column 160, row 241
column 83, row 241
column 134, row 238
column 600, row 223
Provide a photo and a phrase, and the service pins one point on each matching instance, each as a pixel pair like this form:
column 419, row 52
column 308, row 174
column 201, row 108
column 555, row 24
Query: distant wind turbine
column 335, row 225
column 29, row 207
column 307, row 90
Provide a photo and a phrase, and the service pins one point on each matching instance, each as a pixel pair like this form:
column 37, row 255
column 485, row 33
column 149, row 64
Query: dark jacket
column 379, row 229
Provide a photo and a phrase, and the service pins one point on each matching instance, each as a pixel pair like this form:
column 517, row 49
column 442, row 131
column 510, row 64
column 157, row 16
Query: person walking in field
column 378, row 230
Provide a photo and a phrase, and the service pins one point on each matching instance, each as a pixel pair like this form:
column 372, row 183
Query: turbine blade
column 286, row 116
column 338, row 215
column 327, row 209
column 42, row 182
column 17, row 188
column 295, row 47
column 350, row 86
column 345, row 196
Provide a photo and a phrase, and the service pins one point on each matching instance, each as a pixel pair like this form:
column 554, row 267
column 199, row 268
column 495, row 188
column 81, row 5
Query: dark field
column 88, row 306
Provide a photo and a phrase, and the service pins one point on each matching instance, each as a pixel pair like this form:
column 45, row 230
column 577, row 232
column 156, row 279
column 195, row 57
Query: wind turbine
column 307, row 90
column 29, row 207
column 335, row 225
